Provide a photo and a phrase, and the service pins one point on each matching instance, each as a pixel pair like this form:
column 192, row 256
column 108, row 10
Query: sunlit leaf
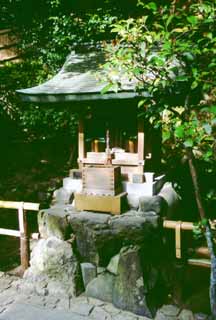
column 188, row 143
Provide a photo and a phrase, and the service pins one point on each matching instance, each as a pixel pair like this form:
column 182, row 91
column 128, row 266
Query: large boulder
column 172, row 312
column 123, row 283
column 101, row 287
column 54, row 267
column 62, row 196
column 52, row 224
column 129, row 292
column 101, row 236
column 89, row 272
column 172, row 199
column 156, row 204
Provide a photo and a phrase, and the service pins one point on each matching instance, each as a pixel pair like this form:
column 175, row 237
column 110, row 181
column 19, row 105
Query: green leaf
column 179, row 132
column 181, row 78
column 107, row 88
column 166, row 135
column 204, row 222
column 148, row 38
column 179, row 30
column 188, row 143
column 207, row 128
column 189, row 56
column 169, row 20
column 192, row 20
column 152, row 6
column 141, row 103
column 212, row 109
column 194, row 85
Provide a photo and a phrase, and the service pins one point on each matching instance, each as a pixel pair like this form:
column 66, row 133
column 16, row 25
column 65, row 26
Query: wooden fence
column 202, row 253
column 22, row 233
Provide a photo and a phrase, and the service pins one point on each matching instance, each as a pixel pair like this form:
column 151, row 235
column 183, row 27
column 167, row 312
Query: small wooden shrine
column 115, row 146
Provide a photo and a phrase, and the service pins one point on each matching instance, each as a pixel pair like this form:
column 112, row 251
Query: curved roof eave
column 54, row 98
column 79, row 80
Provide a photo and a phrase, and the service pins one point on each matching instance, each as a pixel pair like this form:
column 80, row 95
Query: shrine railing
column 22, row 233
column 202, row 258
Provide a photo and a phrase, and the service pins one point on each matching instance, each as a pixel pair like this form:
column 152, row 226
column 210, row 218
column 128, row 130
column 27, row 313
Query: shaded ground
column 16, row 302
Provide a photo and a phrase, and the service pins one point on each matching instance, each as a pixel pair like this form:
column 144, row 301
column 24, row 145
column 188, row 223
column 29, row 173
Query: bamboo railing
column 22, row 233
column 201, row 252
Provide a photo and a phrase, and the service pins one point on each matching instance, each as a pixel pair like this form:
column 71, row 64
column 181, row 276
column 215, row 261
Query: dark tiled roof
column 79, row 79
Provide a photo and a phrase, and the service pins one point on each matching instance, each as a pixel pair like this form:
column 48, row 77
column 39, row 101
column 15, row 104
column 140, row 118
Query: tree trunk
column 208, row 233
column 212, row 289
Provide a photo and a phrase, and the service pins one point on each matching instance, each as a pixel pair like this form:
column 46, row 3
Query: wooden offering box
column 110, row 204
column 101, row 180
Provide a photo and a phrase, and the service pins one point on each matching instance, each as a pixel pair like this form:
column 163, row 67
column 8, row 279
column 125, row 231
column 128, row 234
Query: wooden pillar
column 81, row 141
column 141, row 144
column 24, row 240
column 131, row 146
column 95, row 145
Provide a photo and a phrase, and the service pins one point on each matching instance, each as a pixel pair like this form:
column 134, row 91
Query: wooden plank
column 93, row 161
column 126, row 156
column 206, row 263
column 101, row 192
column 16, row 205
column 9, row 232
column 31, row 206
column 110, row 204
column 96, row 155
column 170, row 224
column 125, row 162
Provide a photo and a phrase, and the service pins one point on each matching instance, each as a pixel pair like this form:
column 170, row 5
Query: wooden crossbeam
column 17, row 205
column 182, row 225
column 170, row 224
column 206, row 263
column 9, row 232
column 22, row 233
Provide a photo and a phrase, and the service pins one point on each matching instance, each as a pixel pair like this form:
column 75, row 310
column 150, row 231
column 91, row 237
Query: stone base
column 111, row 204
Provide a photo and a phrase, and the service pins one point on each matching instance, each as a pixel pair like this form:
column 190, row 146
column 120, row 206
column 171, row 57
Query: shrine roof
column 79, row 79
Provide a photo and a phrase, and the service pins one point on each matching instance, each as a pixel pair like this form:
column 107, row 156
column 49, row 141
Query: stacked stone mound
column 123, row 283
column 54, row 268
column 118, row 259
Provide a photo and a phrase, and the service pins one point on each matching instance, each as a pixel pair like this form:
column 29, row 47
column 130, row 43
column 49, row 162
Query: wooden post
column 81, row 142
column 24, row 240
column 178, row 239
column 96, row 145
column 141, row 144
column 131, row 146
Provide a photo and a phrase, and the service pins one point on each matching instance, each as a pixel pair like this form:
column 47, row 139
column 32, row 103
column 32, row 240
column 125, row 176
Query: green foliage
column 170, row 52
column 46, row 36
column 199, row 229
